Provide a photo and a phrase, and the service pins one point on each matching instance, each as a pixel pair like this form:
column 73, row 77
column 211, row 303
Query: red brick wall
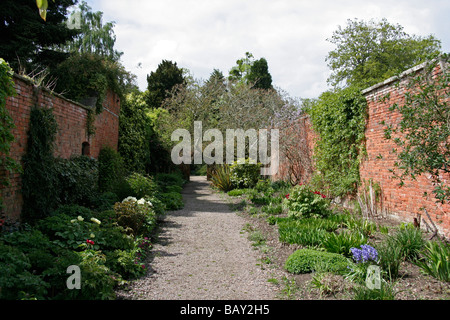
column 71, row 118
column 402, row 202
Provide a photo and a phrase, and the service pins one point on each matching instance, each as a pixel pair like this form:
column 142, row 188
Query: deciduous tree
column 369, row 52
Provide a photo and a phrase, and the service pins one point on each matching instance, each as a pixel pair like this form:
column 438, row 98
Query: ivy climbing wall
column 73, row 136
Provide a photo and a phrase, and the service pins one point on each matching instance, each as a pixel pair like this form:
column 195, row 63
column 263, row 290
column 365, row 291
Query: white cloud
column 202, row 35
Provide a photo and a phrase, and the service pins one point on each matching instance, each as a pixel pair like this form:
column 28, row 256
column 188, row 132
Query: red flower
column 90, row 242
column 287, row 196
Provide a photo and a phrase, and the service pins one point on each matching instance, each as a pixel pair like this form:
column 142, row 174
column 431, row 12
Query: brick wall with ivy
column 73, row 136
column 402, row 202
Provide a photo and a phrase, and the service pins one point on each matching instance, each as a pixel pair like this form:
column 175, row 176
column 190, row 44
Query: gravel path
column 203, row 254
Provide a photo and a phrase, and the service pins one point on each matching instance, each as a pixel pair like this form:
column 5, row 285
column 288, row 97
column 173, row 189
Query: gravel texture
column 202, row 253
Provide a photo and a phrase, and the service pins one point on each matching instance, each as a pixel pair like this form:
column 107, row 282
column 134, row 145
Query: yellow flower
column 92, row 235
column 80, row 218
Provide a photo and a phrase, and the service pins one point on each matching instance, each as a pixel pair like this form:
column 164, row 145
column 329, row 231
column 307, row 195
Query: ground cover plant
column 105, row 234
column 329, row 254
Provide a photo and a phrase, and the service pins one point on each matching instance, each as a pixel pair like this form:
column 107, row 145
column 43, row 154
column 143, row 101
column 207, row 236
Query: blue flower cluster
column 364, row 254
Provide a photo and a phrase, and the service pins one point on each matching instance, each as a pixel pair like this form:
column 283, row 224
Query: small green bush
column 169, row 179
column 77, row 180
column 302, row 202
column 273, row 208
column 172, row 200
column 124, row 262
column 16, row 275
column 104, row 201
column 97, row 280
column 111, row 171
column 73, row 211
column 35, row 245
column 135, row 216
column 158, row 205
column 309, row 260
column 142, row 185
column 244, row 174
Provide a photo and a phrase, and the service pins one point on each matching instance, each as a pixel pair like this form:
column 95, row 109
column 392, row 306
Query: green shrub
column 302, row 202
column 73, row 211
column 172, row 200
column 280, row 185
column 104, row 201
column 124, row 262
column 74, row 233
column 35, row 245
column 111, row 171
column 273, row 208
column 39, row 180
column 158, row 205
column 339, row 118
column 174, row 188
column 308, row 260
column 135, row 216
column 260, row 198
column 436, row 260
column 7, row 89
column 97, row 280
column 244, row 174
column 169, row 179
column 17, row 280
column 264, row 185
column 77, row 180
column 342, row 243
column 142, row 185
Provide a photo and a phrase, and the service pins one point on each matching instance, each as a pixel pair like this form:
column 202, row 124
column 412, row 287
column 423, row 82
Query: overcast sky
column 203, row 35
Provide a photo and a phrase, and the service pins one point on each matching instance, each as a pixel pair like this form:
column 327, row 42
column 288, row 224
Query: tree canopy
column 368, row 52
column 95, row 36
column 250, row 71
column 28, row 41
column 161, row 82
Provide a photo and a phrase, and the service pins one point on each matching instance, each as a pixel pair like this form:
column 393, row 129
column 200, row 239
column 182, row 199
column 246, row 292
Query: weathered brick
column 71, row 119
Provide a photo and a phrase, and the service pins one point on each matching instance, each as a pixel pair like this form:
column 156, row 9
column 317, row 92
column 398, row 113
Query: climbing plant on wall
column 339, row 118
column 6, row 121
column 39, row 177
